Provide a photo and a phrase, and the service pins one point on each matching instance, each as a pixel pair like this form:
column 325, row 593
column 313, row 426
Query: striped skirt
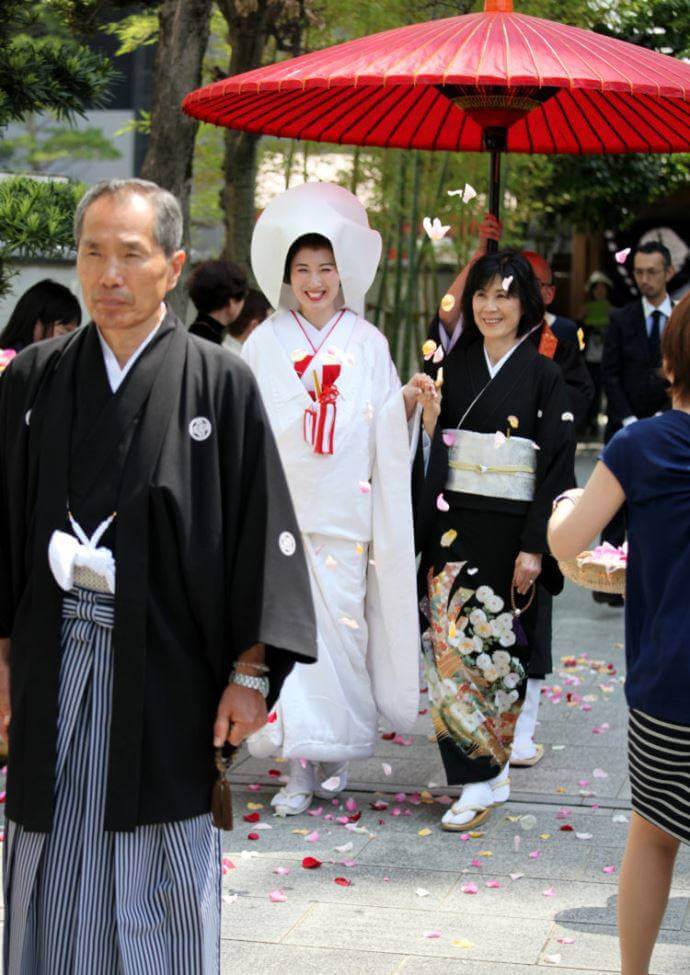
column 83, row 900
column 659, row 761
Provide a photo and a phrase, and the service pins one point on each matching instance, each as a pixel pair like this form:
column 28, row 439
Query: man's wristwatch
column 260, row 684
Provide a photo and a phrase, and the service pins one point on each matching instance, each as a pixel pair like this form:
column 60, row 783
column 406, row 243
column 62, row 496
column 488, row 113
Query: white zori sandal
column 475, row 803
column 291, row 803
column 296, row 795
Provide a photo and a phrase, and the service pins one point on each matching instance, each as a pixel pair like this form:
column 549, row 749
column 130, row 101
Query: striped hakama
column 80, row 899
column 659, row 761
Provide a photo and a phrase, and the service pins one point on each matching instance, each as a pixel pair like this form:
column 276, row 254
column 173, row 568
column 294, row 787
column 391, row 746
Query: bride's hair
column 312, row 241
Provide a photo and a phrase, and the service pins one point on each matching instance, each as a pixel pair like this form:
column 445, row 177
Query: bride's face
column 314, row 278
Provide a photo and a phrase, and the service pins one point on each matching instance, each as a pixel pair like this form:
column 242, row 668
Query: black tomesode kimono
column 579, row 389
column 477, row 653
column 208, row 555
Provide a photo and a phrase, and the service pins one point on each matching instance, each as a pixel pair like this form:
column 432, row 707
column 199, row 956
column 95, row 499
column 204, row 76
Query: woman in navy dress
column 647, row 467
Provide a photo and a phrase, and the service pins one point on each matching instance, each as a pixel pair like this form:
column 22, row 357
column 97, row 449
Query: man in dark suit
column 632, row 380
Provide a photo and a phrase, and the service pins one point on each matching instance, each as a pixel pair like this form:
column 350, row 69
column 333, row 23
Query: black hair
column 213, row 283
column 256, row 307
column 655, row 247
column 524, row 286
column 46, row 301
column 314, row 241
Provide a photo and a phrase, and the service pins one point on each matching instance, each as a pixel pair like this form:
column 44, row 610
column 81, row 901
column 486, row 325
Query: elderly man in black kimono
column 153, row 594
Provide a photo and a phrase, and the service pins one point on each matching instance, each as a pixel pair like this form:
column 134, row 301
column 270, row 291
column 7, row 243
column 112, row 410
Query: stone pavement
column 552, row 905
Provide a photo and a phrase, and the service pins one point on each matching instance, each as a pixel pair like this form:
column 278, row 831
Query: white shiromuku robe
column 355, row 513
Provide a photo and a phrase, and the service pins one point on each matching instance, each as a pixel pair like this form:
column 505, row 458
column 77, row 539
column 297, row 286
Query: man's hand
column 241, row 712
column 4, row 687
column 527, row 571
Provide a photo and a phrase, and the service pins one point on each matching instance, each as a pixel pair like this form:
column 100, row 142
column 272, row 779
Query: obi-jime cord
column 80, row 898
column 502, row 450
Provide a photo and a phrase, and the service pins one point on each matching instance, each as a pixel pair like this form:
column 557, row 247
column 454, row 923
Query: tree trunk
column 183, row 36
column 247, row 34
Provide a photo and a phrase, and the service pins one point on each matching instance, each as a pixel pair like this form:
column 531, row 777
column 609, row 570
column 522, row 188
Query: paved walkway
column 545, row 895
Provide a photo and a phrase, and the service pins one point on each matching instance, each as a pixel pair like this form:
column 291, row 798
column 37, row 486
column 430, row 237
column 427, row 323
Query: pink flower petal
column 364, row 487
column 441, row 503
column 622, row 256
column 432, row 934
column 277, row 897
column 611, row 869
column 449, row 438
column 493, row 884
column 469, row 889
column 312, row 837
column 282, row 871
column 549, row 892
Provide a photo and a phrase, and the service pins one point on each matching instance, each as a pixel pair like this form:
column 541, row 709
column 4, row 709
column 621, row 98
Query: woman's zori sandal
column 528, row 762
column 475, row 803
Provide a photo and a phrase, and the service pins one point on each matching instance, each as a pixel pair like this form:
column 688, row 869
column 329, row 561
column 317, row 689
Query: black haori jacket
column 208, row 554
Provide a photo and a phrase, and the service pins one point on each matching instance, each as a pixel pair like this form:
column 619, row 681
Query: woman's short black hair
column 46, row 301
column 524, row 286
column 213, row 283
column 256, row 307
column 314, row 241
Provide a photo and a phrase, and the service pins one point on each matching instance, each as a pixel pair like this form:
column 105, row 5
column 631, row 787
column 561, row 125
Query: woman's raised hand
column 422, row 390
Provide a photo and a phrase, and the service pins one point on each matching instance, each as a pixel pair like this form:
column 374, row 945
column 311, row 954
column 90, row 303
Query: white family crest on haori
column 287, row 543
column 316, row 208
column 200, row 428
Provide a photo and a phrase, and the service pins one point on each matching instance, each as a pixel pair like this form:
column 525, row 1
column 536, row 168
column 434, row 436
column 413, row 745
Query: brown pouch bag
column 221, row 797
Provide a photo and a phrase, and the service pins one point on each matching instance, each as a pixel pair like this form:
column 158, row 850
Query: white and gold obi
column 481, row 463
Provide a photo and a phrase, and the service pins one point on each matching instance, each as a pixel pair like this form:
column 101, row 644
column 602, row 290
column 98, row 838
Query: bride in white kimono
column 340, row 418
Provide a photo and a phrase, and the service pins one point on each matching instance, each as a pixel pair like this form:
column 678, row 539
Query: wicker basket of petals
column 602, row 569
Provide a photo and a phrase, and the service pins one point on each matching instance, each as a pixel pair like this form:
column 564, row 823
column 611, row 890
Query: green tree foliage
column 42, row 69
column 43, row 73
column 36, row 218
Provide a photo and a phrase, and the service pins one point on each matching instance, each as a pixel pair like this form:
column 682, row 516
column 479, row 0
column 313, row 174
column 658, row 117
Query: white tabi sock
column 523, row 743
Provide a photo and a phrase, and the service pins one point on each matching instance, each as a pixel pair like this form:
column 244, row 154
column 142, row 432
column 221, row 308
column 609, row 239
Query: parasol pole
column 495, row 139
column 495, row 143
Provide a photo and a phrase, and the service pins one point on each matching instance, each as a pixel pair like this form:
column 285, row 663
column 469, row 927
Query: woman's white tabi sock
column 524, row 747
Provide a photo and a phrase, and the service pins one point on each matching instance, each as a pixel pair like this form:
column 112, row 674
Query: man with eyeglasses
column 562, row 327
column 631, row 365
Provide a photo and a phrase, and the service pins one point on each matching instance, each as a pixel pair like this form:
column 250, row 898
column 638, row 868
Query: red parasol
column 492, row 81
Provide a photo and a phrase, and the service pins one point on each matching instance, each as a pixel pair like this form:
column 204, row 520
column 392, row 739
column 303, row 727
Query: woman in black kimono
column 503, row 449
